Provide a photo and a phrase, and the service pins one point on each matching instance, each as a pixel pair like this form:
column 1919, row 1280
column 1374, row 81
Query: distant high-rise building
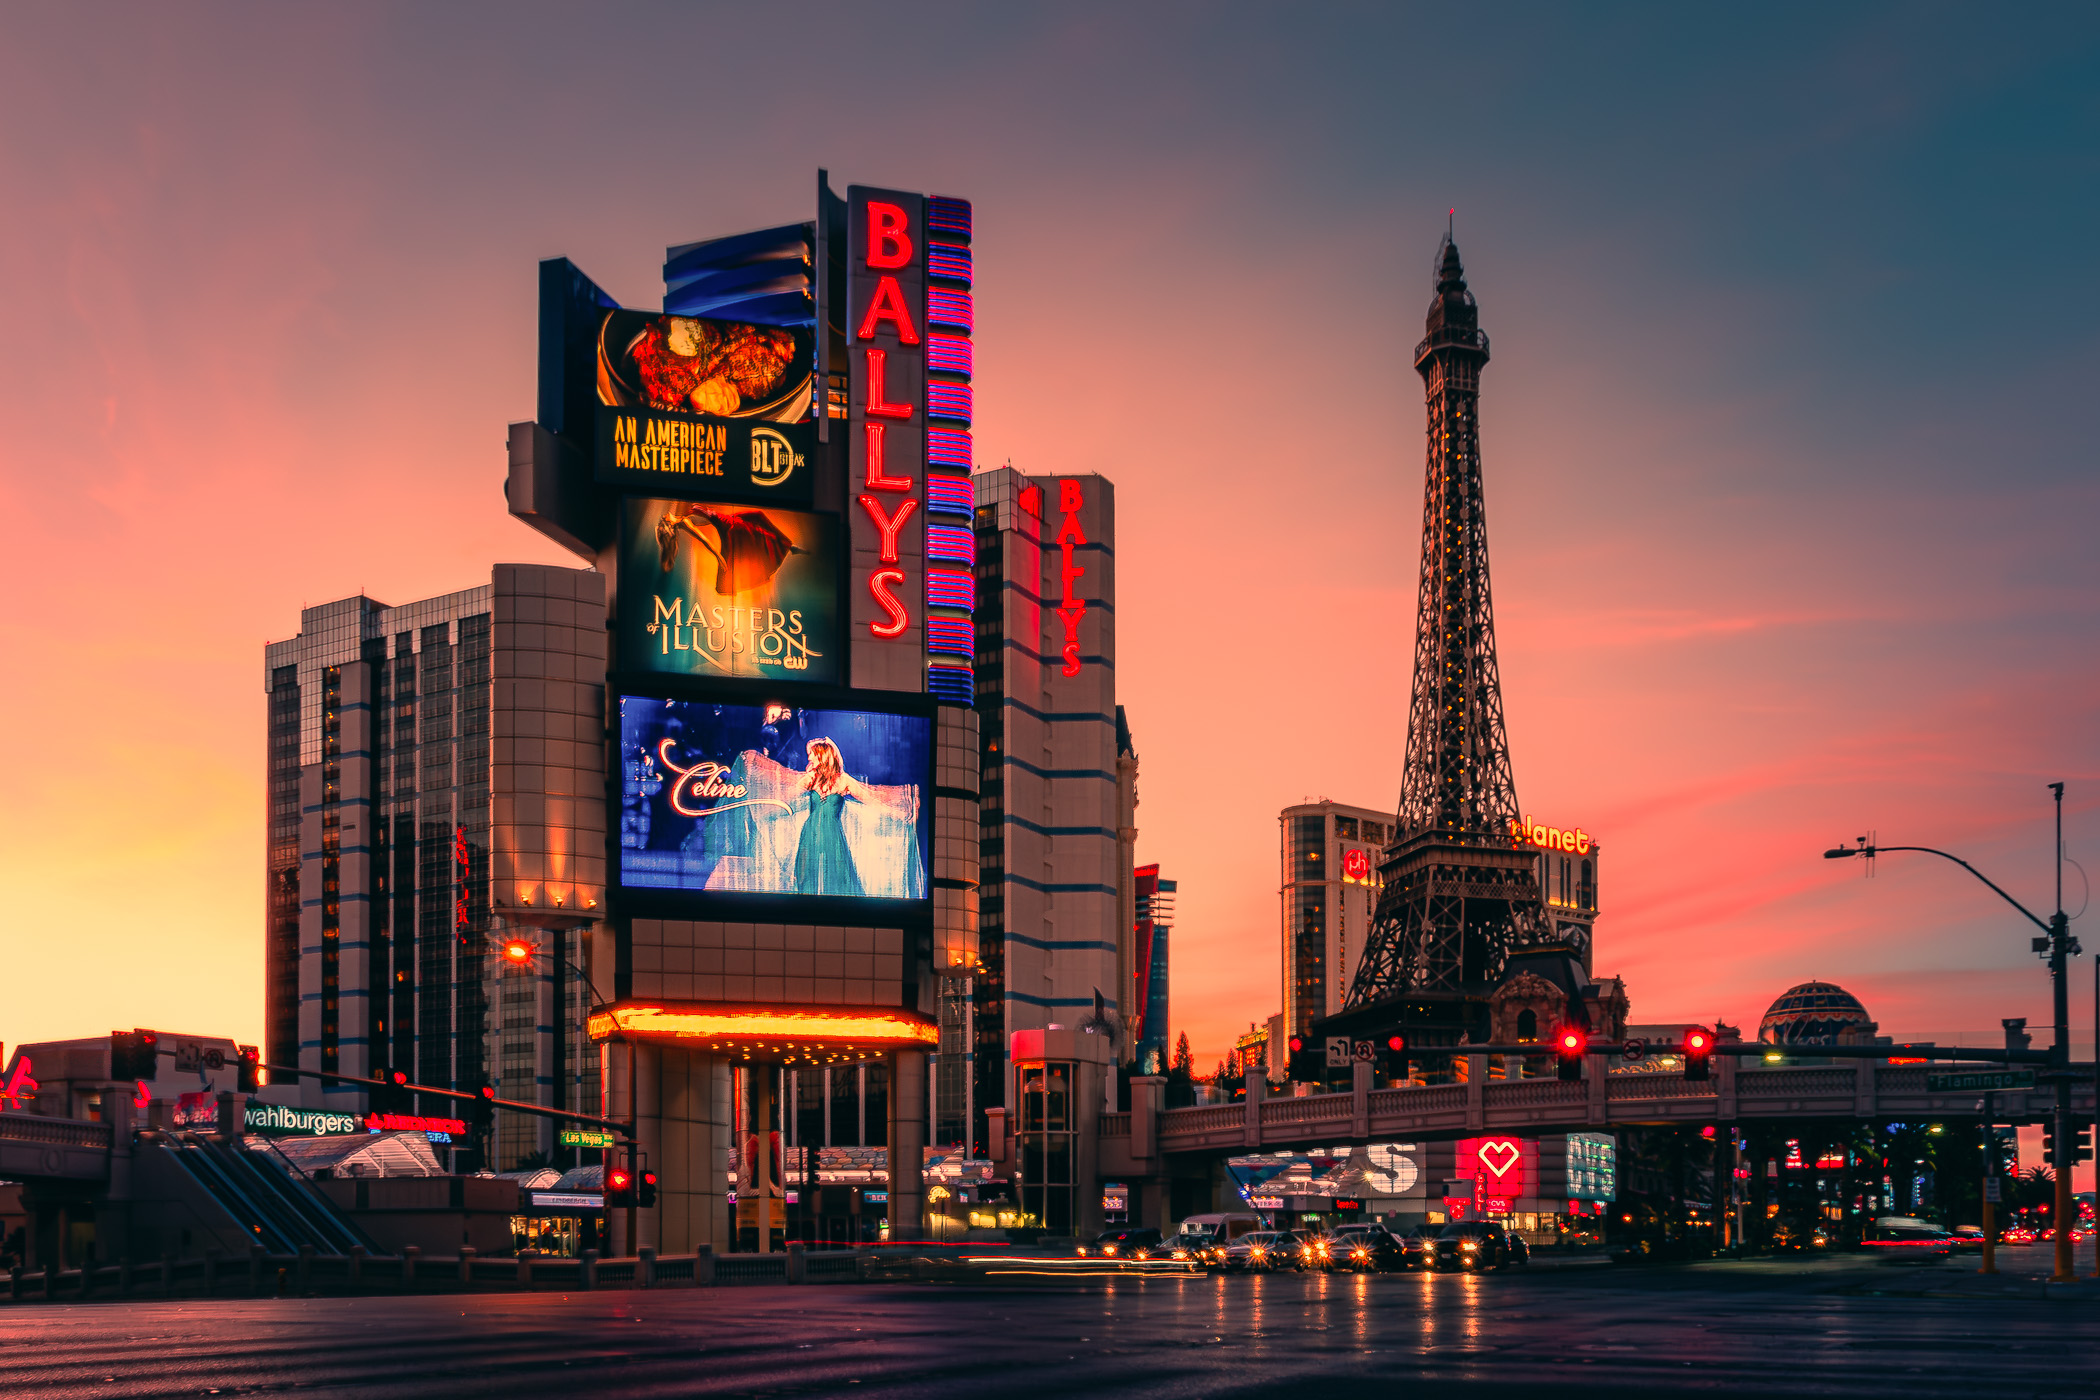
column 1154, row 924
column 416, row 754
column 1330, row 890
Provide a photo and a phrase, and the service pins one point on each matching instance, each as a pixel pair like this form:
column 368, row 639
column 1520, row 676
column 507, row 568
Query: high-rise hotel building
column 1057, row 798
column 1330, row 892
column 416, row 753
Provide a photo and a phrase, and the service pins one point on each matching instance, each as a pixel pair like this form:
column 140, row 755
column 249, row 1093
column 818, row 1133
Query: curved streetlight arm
column 1871, row 851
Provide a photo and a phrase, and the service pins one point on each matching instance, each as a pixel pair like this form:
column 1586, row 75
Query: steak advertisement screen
column 773, row 799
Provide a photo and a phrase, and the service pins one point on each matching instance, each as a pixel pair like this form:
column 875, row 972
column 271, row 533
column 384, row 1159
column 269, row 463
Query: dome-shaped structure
column 1817, row 1013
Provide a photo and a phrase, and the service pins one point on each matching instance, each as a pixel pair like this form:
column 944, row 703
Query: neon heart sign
column 1499, row 1155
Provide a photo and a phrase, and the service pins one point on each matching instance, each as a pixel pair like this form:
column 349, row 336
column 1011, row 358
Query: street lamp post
column 523, row 951
column 2059, row 947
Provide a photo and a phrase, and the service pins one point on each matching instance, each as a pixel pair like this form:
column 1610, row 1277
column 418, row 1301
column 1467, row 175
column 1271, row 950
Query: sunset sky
column 1790, row 431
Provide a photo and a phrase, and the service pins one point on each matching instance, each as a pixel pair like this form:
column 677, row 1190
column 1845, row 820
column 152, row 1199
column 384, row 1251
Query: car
column 1968, row 1237
column 2017, row 1234
column 1908, row 1241
column 1467, row 1245
column 1316, row 1248
column 1368, row 1249
column 1420, row 1244
column 1257, row 1251
column 1127, row 1242
column 1184, row 1248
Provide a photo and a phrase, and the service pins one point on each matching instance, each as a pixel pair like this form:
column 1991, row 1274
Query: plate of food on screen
column 718, row 369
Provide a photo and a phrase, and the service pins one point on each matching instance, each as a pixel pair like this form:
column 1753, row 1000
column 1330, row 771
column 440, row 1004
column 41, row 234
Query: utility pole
column 2060, row 948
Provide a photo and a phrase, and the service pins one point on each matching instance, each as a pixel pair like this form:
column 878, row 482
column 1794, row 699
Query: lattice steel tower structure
column 1460, row 894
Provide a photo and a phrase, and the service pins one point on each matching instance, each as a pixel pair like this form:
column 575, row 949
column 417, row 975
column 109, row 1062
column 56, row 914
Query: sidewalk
column 2023, row 1272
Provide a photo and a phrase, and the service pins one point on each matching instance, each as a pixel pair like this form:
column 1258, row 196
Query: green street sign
column 584, row 1137
column 1980, row 1079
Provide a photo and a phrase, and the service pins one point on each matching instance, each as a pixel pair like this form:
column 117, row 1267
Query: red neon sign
column 886, row 257
column 1073, row 606
column 408, row 1122
column 1551, row 838
column 17, row 1084
column 1356, row 865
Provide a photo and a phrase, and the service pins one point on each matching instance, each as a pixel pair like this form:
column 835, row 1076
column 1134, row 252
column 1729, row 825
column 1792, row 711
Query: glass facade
column 388, row 714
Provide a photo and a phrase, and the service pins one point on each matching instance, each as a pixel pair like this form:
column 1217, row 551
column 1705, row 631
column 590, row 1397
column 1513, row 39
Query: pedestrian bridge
column 1600, row 1101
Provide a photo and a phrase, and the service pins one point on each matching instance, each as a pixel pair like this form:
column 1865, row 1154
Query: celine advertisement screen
column 773, row 799
column 720, row 590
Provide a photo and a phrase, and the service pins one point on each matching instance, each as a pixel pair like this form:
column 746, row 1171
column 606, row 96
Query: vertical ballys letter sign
column 1072, row 604
column 886, row 360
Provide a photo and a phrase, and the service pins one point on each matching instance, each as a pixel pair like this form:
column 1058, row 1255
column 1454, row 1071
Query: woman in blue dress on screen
column 823, row 860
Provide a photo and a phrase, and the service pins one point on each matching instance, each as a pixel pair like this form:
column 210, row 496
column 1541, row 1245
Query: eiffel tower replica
column 1460, row 893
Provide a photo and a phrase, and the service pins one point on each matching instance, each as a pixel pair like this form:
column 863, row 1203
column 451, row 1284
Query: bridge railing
column 53, row 1132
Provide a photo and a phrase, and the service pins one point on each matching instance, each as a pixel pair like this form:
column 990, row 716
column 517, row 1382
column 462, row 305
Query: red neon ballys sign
column 891, row 379
column 1072, row 606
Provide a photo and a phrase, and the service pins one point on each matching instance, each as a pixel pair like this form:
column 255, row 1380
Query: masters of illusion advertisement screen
column 773, row 799
column 718, row 590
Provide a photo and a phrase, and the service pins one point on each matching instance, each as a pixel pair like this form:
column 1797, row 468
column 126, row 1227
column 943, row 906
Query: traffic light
column 645, row 1190
column 133, row 1054
column 619, row 1188
column 1698, row 1051
column 2081, row 1145
column 1391, row 1050
column 249, row 1066
column 1306, row 1065
column 1569, row 1043
column 394, row 1097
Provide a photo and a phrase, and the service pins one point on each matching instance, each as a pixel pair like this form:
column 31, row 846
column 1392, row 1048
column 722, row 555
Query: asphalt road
column 1760, row 1329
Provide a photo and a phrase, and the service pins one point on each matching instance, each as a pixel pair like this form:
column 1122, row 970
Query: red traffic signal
column 397, row 1077
column 1396, row 1043
column 1698, row 1050
column 488, row 1091
column 1297, row 1043
column 1569, row 1045
column 248, row 1068
column 646, row 1193
column 619, row 1187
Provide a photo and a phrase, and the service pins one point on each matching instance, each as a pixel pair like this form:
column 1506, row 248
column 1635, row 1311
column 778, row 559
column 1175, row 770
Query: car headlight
column 1082, row 1251
column 1359, row 1254
column 1469, row 1246
column 1181, row 1254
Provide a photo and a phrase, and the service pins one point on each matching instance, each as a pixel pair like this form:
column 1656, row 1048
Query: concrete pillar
column 762, row 1155
column 1257, row 1090
column 617, row 1066
column 692, row 1175
column 1148, row 1093
column 649, row 1134
column 907, row 1150
column 1359, row 1098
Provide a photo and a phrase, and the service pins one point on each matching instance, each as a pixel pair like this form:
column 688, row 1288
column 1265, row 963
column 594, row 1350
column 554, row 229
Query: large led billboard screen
column 728, row 591
column 720, row 369
column 773, row 799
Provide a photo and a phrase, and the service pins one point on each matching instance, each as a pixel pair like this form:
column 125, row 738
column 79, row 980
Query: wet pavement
column 1765, row 1328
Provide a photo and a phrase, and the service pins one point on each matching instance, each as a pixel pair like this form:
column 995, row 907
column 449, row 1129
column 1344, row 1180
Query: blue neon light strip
column 947, row 307
column 955, row 684
column 951, row 588
column 950, row 260
column 948, row 353
column 949, row 635
column 945, row 399
column 950, row 495
column 948, row 447
column 946, row 215
column 956, row 544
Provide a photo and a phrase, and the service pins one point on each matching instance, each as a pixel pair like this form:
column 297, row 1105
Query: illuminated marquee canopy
column 789, row 1034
